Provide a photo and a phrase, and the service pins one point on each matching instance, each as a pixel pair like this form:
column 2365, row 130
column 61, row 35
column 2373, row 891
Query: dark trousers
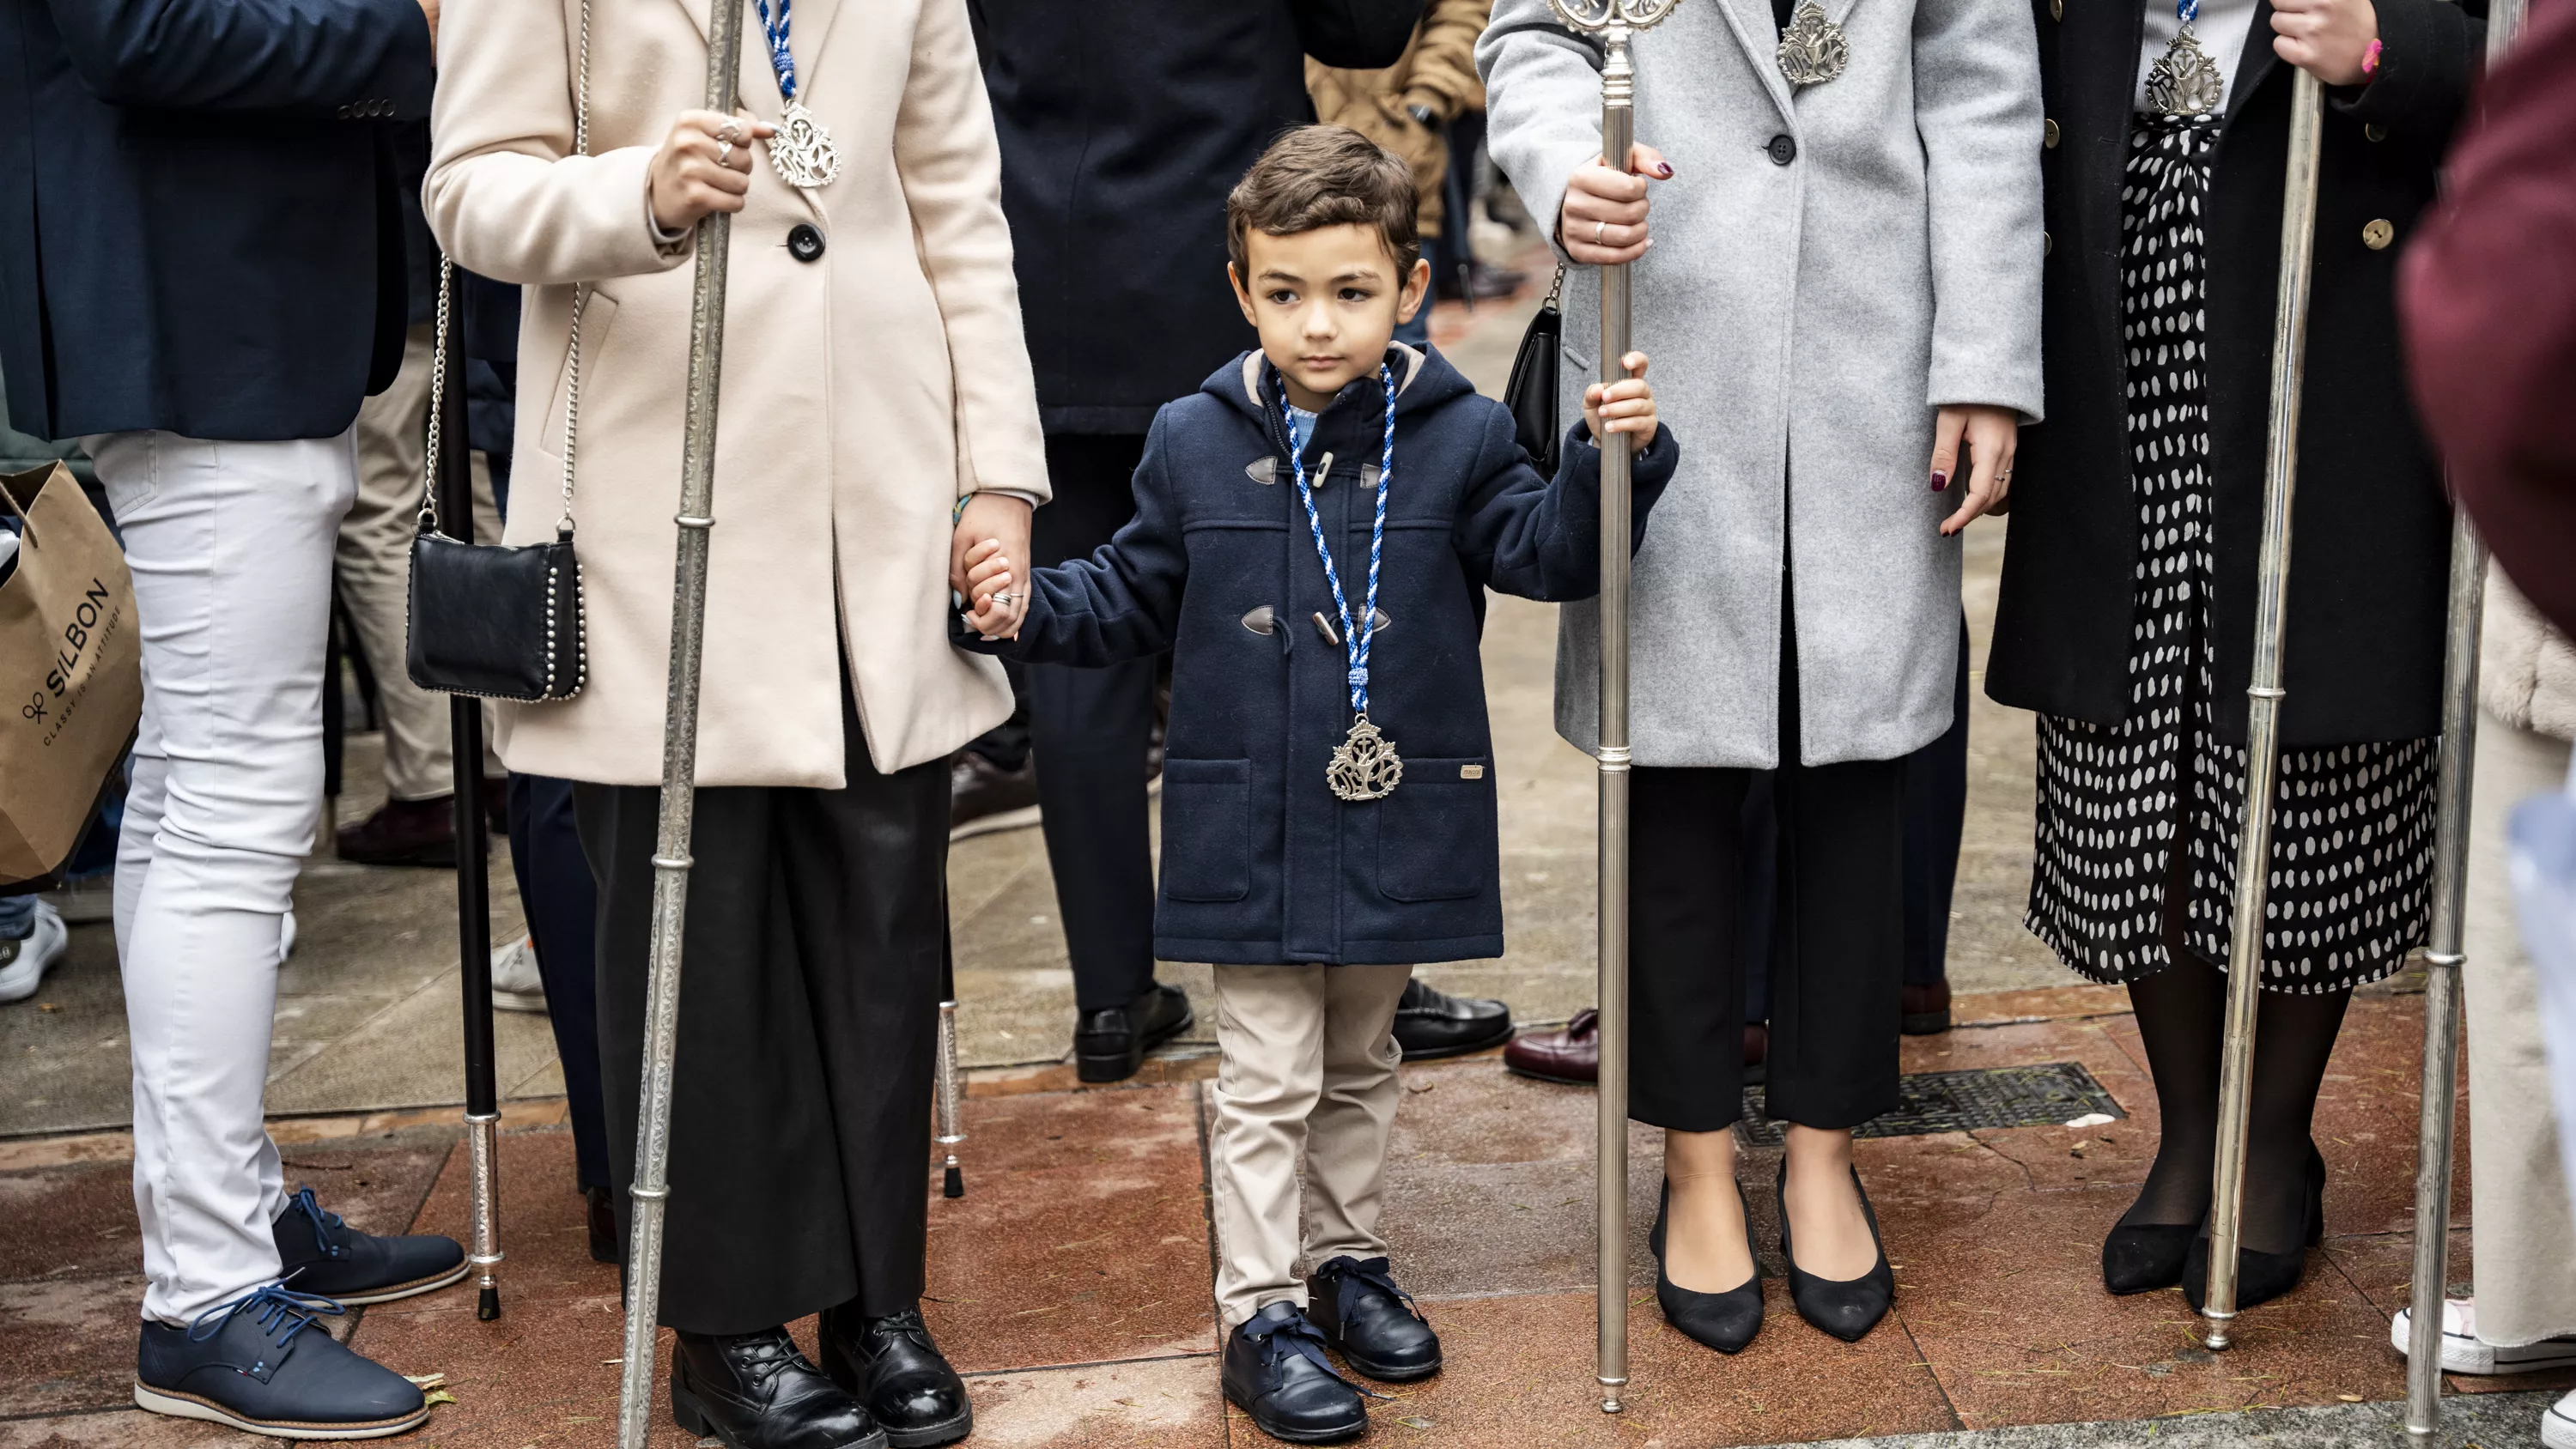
column 1091, row 729
column 800, row 1129
column 1936, row 813
column 562, row 904
column 1836, row 972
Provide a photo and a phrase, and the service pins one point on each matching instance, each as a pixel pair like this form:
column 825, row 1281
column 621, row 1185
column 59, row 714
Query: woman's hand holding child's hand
column 1626, row 406
column 989, row 573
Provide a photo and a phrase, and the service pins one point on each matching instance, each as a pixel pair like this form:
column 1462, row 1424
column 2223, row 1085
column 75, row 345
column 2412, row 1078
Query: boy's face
column 1326, row 303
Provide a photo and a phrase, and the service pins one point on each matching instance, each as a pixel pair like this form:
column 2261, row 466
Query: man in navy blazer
column 201, row 274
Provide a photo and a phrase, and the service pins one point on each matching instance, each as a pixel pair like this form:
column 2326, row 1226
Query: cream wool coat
column 864, row 392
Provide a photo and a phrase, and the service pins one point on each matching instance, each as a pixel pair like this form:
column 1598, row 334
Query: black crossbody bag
column 1531, row 392
column 500, row 622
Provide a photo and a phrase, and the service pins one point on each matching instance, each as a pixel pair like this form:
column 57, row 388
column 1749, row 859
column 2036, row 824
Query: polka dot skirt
column 2352, row 837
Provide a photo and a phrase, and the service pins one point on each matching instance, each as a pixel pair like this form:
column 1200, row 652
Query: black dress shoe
column 758, row 1391
column 2145, row 1257
column 1355, row 1304
column 320, row 1254
column 1723, row 1321
column 2260, row 1276
column 891, row 1366
column 1275, row 1370
column 1847, row 1308
column 606, row 1245
column 1431, row 1023
column 1110, row 1045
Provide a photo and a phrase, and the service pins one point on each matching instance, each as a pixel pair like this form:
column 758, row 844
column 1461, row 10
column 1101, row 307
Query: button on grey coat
column 1817, row 309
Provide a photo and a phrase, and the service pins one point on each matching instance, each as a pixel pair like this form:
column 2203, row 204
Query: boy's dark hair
column 1319, row 176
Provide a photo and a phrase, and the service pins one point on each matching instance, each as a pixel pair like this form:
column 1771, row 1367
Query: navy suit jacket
column 199, row 218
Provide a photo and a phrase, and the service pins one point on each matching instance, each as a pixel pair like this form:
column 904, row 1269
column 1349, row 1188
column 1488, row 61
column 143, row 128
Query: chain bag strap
column 1531, row 393
column 497, row 621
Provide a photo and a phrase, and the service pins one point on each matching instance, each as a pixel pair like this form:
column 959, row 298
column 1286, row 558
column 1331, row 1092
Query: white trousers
column 375, row 574
column 1306, row 1059
column 230, row 546
column 2518, row 1209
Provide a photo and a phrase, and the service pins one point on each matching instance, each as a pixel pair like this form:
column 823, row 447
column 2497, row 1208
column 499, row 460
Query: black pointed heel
column 1723, row 1321
column 2146, row 1257
column 1847, row 1308
column 2260, row 1276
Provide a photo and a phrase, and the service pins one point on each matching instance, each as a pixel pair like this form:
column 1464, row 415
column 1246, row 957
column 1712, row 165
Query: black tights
column 2182, row 1012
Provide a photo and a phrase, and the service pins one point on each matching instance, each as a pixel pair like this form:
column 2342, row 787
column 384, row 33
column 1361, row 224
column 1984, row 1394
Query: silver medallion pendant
column 2184, row 81
column 802, row 150
column 1366, row 766
column 1812, row 48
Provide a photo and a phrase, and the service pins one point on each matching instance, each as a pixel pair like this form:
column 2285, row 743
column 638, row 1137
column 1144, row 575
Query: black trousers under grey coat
column 800, row 1129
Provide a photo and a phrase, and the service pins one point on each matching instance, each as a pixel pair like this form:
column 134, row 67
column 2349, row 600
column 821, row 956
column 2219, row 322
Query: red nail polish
column 1940, row 480
column 1664, row 169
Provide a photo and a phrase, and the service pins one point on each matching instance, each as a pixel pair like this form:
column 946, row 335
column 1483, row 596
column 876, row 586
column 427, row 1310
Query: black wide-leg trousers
column 809, row 1000
column 1840, row 958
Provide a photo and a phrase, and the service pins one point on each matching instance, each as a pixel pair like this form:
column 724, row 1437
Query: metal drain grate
column 2046, row 1095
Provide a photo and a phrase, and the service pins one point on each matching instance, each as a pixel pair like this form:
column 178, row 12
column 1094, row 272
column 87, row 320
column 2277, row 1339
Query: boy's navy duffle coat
column 1262, row 864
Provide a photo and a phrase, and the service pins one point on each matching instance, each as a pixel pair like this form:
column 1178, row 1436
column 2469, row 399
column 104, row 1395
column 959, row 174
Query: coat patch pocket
column 1207, row 829
column 1435, row 834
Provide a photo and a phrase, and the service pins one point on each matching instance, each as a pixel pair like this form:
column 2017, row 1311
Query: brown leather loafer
column 1570, row 1054
column 404, row 832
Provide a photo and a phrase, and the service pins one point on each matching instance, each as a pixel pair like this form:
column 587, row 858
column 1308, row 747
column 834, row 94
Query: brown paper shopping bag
column 71, row 678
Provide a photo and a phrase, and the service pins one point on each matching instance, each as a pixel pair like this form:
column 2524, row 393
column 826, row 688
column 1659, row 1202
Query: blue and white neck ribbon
column 802, row 151
column 781, row 59
column 1357, row 634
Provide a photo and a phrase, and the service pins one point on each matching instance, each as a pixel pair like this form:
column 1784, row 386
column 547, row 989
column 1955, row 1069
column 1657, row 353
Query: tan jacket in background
column 1437, row 70
column 865, row 391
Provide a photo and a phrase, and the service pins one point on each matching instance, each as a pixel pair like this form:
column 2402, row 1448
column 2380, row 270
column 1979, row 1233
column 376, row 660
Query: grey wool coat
column 1813, row 301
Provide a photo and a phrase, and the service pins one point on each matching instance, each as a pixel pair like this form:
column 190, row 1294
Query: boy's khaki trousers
column 1306, row 1067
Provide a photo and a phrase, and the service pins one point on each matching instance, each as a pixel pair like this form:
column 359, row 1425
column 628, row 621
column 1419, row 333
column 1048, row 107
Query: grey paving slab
column 2469, row 1421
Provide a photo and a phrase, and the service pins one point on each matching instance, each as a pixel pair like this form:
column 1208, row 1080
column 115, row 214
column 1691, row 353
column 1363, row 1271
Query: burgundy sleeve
column 2487, row 293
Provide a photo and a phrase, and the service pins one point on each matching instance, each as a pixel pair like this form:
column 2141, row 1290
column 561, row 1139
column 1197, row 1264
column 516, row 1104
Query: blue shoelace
column 322, row 1221
column 273, row 1305
column 1357, row 635
column 1294, row 1337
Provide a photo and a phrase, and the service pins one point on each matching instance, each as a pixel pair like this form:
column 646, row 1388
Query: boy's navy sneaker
column 321, row 1254
column 262, row 1364
column 1355, row 1304
column 1275, row 1370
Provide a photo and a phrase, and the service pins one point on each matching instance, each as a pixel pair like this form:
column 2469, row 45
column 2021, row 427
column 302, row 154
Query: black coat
column 199, row 227
column 2370, row 526
column 1262, row 864
column 1123, row 125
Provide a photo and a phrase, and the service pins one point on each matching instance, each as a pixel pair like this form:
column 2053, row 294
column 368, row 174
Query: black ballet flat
column 2146, row 1257
column 1847, row 1308
column 2260, row 1276
column 1723, row 1321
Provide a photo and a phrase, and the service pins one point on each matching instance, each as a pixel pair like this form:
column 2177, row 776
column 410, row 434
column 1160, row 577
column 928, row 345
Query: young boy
column 1328, row 785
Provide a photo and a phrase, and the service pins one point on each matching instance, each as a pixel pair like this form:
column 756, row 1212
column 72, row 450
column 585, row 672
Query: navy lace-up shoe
column 324, row 1255
column 261, row 1364
column 1355, row 1304
column 1275, row 1370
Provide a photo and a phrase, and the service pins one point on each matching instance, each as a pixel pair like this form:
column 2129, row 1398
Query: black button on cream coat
column 1262, row 863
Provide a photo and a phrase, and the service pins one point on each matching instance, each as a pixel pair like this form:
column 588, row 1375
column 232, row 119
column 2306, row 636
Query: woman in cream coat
column 875, row 383
column 1844, row 303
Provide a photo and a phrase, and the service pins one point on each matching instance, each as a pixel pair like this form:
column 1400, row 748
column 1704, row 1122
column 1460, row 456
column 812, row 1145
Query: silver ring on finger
column 1598, row 228
column 729, row 132
column 724, row 148
column 1006, row 600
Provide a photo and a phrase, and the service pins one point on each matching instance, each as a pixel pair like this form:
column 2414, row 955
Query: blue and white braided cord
column 780, row 60
column 1356, row 636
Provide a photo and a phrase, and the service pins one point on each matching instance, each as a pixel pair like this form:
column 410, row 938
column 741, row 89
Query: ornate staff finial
column 1613, row 21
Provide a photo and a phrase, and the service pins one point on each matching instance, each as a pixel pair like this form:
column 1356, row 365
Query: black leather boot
column 1275, row 1370
column 1110, row 1045
column 1355, row 1304
column 606, row 1244
column 890, row 1365
column 758, row 1391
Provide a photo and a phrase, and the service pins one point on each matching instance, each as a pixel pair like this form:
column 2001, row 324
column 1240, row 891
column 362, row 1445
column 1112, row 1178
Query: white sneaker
column 2558, row 1423
column 286, row 938
column 516, row 986
column 2463, row 1352
column 23, row 964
